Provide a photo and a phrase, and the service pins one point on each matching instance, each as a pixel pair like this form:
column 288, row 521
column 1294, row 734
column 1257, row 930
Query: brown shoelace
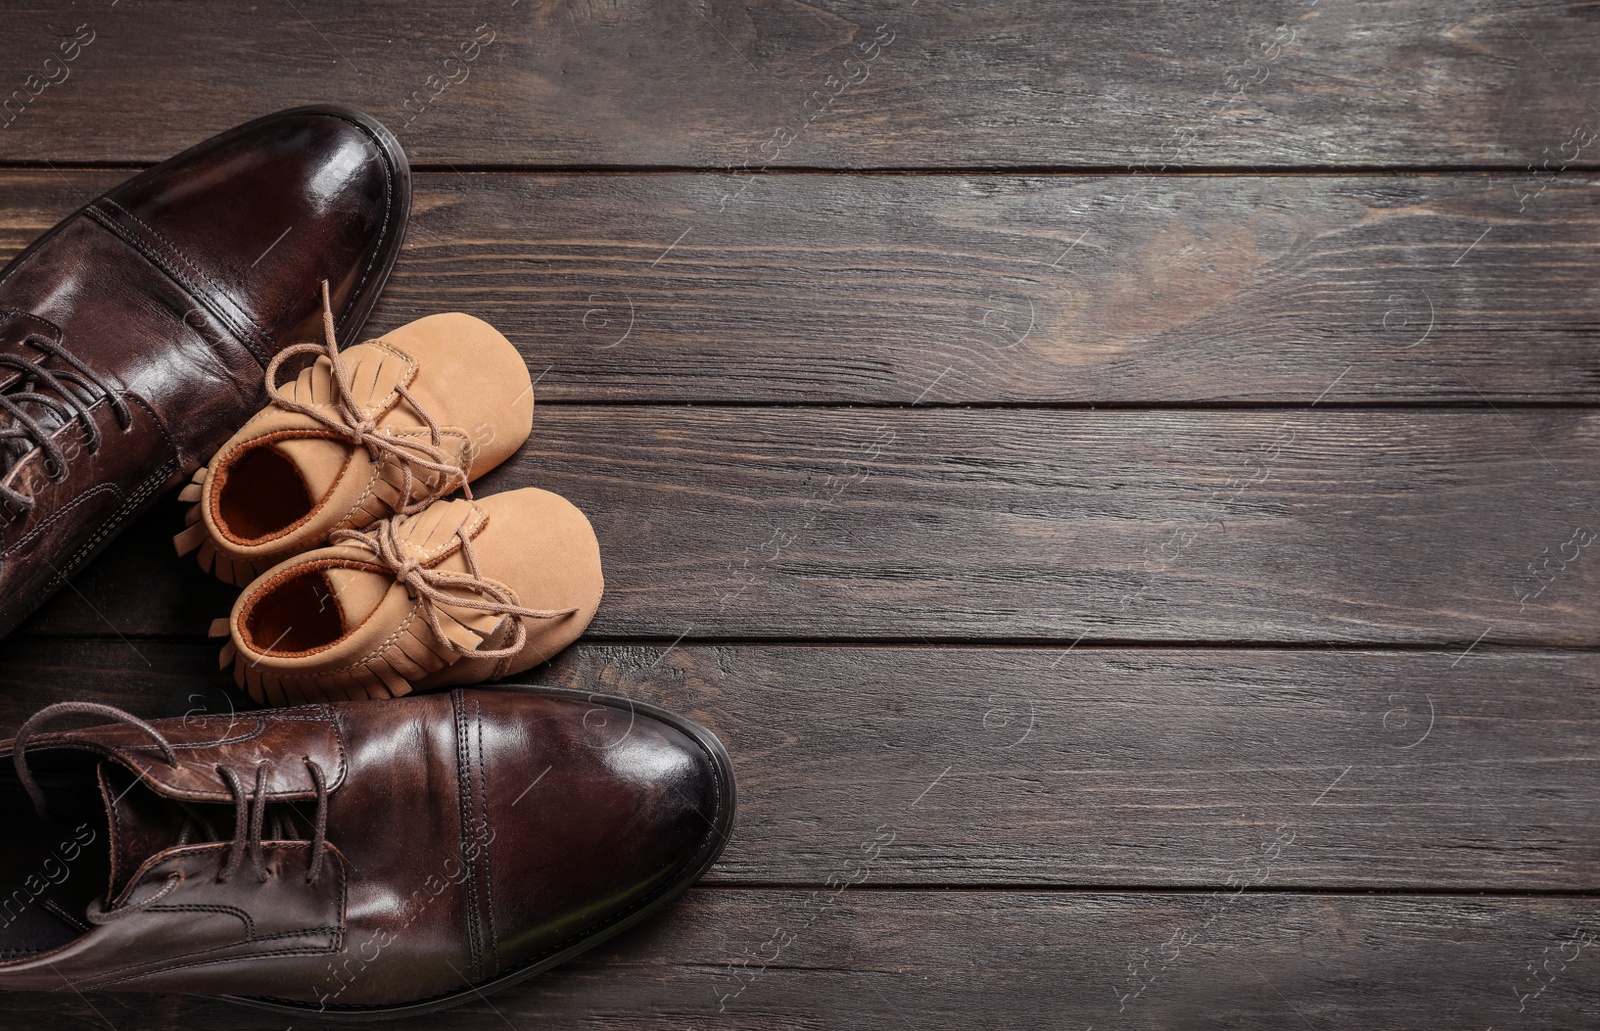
column 249, row 806
column 432, row 586
column 75, row 388
column 352, row 422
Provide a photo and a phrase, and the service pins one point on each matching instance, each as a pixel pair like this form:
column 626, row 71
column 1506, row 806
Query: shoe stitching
column 306, row 950
column 173, row 964
column 338, row 742
column 68, row 735
column 60, row 513
column 149, row 487
column 189, row 262
column 55, row 333
column 391, row 179
column 463, row 814
column 261, row 728
column 378, row 467
column 298, row 714
column 372, row 481
column 160, row 264
column 45, row 740
column 161, row 427
column 716, row 775
column 446, row 546
column 377, row 652
column 110, row 526
column 312, row 713
column 392, row 398
column 241, row 335
column 483, row 846
column 194, row 907
column 114, row 828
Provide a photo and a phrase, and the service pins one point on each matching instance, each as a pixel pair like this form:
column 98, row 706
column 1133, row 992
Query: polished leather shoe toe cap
column 615, row 806
column 255, row 217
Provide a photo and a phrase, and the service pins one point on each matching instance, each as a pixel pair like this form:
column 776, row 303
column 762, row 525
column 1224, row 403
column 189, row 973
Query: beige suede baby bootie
column 461, row 592
column 387, row 426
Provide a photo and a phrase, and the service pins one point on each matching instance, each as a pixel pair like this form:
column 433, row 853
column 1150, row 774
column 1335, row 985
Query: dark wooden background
column 1130, row 466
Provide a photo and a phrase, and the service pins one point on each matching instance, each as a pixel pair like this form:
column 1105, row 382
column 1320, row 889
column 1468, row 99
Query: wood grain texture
column 954, row 83
column 1103, row 766
column 999, row 290
column 875, row 959
column 1307, row 526
column 1062, row 817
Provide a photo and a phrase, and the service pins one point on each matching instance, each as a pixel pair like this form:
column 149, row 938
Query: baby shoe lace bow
column 350, row 420
column 435, row 587
column 249, row 806
column 73, row 391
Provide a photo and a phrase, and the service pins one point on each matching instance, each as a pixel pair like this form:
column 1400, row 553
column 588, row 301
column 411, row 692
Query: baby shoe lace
column 352, row 422
column 73, row 391
column 249, row 805
column 432, row 587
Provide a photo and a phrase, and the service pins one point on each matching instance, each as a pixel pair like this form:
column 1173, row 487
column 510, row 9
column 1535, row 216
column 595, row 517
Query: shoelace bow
column 352, row 422
column 69, row 406
column 431, row 587
column 249, row 806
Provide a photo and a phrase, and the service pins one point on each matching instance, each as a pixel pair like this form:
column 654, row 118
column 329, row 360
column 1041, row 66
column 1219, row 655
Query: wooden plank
column 843, row 85
column 1104, row 766
column 1309, row 526
column 1002, row 960
column 951, row 289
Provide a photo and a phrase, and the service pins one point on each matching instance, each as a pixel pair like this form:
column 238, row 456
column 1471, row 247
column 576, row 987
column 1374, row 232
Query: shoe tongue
column 357, row 592
column 144, row 823
column 319, row 461
column 141, row 823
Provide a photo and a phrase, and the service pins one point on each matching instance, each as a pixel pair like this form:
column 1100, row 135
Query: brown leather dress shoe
column 357, row 860
column 134, row 335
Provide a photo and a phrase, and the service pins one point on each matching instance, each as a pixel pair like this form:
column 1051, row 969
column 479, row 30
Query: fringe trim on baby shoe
column 410, row 655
